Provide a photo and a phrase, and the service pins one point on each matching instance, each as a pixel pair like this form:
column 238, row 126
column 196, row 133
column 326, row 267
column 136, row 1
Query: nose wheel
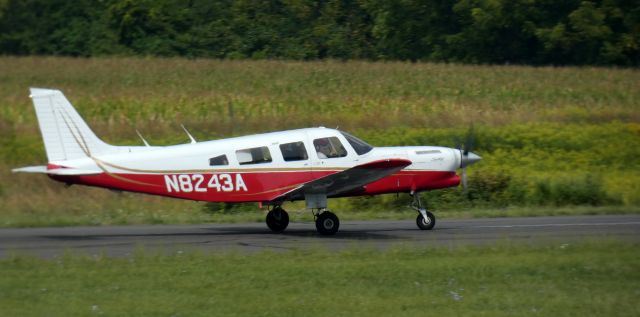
column 426, row 223
column 425, row 220
column 327, row 223
column 277, row 219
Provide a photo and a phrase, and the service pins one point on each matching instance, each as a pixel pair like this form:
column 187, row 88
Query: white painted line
column 564, row 225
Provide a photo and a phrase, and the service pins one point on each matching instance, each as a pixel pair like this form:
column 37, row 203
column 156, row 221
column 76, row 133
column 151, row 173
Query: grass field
column 587, row 279
column 549, row 137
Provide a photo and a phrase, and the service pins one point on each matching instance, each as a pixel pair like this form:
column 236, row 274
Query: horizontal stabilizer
column 56, row 171
column 31, row 169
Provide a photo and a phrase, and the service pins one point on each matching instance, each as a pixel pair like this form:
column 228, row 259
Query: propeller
column 466, row 156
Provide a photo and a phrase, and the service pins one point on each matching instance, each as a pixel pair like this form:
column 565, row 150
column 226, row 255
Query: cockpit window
column 361, row 147
column 329, row 148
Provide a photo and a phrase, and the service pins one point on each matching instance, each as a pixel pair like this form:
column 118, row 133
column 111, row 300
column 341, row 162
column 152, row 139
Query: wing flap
column 347, row 180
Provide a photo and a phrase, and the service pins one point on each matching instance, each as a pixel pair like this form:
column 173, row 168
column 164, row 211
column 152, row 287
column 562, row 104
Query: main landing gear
column 327, row 223
column 277, row 219
column 425, row 220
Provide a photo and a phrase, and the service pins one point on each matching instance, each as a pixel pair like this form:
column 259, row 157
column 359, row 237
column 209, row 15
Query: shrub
column 572, row 190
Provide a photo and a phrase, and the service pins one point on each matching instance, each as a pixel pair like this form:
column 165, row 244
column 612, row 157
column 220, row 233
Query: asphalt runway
column 255, row 237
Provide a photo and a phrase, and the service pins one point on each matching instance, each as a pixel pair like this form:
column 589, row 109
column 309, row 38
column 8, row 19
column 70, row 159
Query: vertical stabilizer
column 66, row 136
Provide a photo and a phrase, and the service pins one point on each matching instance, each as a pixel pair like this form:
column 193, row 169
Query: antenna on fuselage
column 189, row 134
column 141, row 137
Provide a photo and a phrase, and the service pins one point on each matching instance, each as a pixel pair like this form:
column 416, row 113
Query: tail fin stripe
column 83, row 145
column 84, row 142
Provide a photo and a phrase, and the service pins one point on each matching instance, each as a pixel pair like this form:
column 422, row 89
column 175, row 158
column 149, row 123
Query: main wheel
column 327, row 223
column 426, row 224
column 277, row 219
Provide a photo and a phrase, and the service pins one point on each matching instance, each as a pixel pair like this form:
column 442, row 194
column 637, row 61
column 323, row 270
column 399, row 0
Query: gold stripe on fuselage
column 224, row 170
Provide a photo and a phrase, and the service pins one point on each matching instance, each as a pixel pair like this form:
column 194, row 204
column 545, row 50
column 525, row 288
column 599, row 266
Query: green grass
column 549, row 137
column 587, row 279
column 133, row 210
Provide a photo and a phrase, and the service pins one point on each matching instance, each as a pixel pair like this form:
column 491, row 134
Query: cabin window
column 361, row 147
column 256, row 155
column 294, row 151
column 218, row 160
column 329, row 148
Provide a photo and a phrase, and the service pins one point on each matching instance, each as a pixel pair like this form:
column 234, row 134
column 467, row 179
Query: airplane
column 311, row 164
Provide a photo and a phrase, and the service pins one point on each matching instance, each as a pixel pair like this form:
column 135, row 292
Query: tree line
column 534, row 32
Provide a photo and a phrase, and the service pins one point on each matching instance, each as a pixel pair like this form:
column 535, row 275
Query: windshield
column 361, row 147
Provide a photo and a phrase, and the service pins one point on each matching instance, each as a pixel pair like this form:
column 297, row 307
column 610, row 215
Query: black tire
column 327, row 223
column 424, row 225
column 277, row 219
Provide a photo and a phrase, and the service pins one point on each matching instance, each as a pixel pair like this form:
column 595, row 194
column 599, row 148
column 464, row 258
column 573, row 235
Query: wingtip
column 39, row 92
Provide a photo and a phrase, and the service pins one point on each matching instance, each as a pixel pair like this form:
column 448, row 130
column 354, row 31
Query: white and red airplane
column 311, row 164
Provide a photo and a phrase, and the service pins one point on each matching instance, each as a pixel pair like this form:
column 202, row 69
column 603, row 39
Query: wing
column 347, row 180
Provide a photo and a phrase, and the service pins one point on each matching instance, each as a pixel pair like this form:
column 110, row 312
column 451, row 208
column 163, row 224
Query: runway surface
column 255, row 237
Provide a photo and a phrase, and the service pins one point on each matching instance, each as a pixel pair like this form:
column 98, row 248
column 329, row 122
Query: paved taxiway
column 255, row 237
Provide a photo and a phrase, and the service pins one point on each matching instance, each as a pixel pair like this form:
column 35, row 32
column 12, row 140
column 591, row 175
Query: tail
column 66, row 136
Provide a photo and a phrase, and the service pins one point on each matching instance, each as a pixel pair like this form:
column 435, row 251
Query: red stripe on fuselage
column 253, row 186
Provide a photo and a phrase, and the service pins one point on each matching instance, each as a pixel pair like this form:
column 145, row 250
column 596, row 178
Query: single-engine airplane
column 306, row 164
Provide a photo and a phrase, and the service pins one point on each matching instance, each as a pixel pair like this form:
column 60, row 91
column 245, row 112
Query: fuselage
column 257, row 168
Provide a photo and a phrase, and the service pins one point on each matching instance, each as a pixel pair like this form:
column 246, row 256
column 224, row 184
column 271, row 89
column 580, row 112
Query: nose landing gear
column 426, row 223
column 425, row 220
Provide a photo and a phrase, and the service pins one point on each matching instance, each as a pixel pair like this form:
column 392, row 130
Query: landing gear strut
column 425, row 220
column 327, row 223
column 277, row 219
